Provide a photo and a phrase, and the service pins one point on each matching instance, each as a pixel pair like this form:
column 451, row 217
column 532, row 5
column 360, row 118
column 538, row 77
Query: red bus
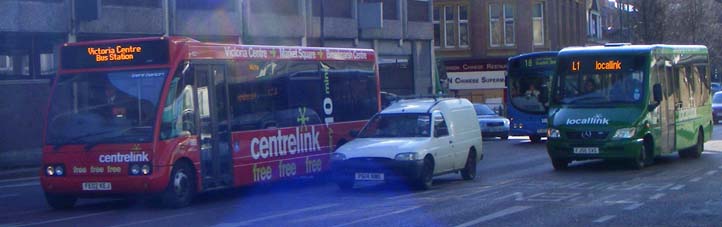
column 171, row 116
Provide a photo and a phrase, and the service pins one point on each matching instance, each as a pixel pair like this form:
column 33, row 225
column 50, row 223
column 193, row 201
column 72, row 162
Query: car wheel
column 181, row 187
column 469, row 171
column 560, row 164
column 425, row 180
column 60, row 202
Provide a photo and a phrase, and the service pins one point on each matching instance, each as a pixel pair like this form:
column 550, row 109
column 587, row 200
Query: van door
column 214, row 130
column 442, row 141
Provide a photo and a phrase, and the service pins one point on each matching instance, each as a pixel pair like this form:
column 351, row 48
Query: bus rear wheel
column 60, row 202
column 181, row 186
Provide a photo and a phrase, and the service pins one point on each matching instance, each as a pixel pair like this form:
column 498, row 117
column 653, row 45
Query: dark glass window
column 229, row 5
column 333, row 8
column 280, row 7
column 138, row 3
column 418, row 10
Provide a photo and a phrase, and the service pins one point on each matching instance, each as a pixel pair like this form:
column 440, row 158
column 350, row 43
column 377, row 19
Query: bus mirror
column 657, row 92
column 353, row 133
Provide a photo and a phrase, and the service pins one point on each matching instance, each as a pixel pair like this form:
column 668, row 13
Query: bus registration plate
column 586, row 150
column 370, row 176
column 96, row 186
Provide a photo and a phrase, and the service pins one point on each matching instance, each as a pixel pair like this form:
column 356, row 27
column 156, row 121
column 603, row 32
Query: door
column 444, row 154
column 669, row 104
column 216, row 160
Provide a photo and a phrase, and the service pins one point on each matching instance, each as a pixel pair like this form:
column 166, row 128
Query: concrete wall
column 22, row 121
column 34, row 16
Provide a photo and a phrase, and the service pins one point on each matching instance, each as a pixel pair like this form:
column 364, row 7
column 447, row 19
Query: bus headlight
column 145, row 169
column 335, row 156
column 408, row 156
column 140, row 169
column 553, row 133
column 55, row 170
column 59, row 171
column 134, row 169
column 624, row 133
column 50, row 171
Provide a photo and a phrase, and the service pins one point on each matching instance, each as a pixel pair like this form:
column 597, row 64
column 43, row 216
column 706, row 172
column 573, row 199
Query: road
column 515, row 186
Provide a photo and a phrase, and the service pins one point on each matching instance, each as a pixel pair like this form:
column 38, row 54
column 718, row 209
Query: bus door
column 669, row 108
column 212, row 95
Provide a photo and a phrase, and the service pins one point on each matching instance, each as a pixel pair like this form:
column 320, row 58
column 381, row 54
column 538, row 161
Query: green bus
column 629, row 102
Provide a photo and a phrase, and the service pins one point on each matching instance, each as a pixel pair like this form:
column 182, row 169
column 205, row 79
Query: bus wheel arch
column 182, row 185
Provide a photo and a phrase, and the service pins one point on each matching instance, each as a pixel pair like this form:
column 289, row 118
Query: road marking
column 8, row 195
column 246, row 222
column 656, row 196
column 695, row 179
column 378, row 216
column 411, row 195
column 495, row 215
column 634, row 206
column 677, row 187
column 68, row 218
column 712, row 172
column 19, row 179
column 604, row 219
column 20, row 185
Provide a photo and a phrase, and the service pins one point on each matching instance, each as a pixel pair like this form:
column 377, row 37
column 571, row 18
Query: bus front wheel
column 181, row 187
column 60, row 202
column 560, row 164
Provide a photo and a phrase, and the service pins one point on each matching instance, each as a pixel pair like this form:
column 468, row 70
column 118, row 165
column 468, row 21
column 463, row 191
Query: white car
column 412, row 140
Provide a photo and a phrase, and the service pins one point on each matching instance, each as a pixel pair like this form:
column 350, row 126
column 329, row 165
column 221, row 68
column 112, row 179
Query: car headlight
column 553, row 133
column 335, row 156
column 506, row 122
column 624, row 133
column 408, row 156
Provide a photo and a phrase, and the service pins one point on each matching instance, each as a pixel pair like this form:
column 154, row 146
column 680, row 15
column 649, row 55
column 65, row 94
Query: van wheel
column 560, row 164
column 425, row 180
column 60, row 202
column 469, row 171
column 181, row 187
column 535, row 139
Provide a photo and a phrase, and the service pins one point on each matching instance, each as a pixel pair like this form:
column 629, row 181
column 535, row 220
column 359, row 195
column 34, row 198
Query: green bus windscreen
column 153, row 52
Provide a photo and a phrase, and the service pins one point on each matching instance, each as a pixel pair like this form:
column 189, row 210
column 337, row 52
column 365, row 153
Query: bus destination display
column 118, row 54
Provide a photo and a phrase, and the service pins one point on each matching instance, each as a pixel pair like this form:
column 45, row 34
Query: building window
column 418, row 10
column 437, row 27
column 277, row 7
column 133, row 3
column 494, row 25
column 449, row 31
column 4, row 63
column 538, row 23
column 508, row 24
column 594, row 26
column 332, row 8
column 463, row 26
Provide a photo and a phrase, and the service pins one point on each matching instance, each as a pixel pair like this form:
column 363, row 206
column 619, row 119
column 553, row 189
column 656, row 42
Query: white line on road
column 20, row 185
column 8, row 195
column 411, row 195
column 378, row 216
column 19, row 179
column 711, row 172
column 604, row 219
column 695, row 179
column 246, row 222
column 495, row 215
column 677, row 187
column 634, row 206
column 68, row 218
column 656, row 196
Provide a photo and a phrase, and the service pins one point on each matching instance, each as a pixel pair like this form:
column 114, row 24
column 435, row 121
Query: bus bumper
column 528, row 132
column 617, row 149
column 118, row 185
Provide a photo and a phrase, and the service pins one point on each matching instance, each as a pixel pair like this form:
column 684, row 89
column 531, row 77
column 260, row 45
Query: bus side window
column 179, row 110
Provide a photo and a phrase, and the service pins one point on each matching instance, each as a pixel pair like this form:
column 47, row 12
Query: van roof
column 413, row 105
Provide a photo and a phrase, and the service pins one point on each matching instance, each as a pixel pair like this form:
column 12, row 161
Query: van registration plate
column 97, row 186
column 370, row 176
column 586, row 150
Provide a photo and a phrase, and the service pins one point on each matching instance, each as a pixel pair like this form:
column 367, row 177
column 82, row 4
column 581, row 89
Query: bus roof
column 634, row 49
column 534, row 54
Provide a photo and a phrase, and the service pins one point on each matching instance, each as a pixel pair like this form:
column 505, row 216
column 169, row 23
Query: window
column 463, row 26
column 4, row 62
column 437, row 27
column 418, row 10
column 508, row 25
column 449, row 31
column 538, row 23
column 134, row 3
column 494, row 25
column 333, row 8
column 278, row 7
column 389, row 6
column 206, row 5
column 440, row 128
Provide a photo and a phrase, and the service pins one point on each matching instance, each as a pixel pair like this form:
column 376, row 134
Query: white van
column 413, row 140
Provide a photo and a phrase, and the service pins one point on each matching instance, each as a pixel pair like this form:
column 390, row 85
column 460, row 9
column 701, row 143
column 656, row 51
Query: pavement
column 20, row 172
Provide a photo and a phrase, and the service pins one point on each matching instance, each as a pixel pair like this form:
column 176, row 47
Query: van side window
column 440, row 128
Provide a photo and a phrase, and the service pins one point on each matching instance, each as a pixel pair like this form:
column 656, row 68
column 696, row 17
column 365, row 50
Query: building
column 32, row 30
column 491, row 29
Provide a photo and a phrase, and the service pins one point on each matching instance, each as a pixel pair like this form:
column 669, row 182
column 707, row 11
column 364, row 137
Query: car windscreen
column 397, row 126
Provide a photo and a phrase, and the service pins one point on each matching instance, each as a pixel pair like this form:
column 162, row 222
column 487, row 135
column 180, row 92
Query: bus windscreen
column 154, row 52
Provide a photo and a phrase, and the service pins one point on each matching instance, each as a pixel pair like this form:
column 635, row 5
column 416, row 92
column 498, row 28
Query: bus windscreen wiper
column 78, row 140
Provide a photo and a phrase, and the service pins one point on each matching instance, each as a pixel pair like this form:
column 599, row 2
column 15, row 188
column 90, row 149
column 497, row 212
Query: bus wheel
column 469, row 171
column 427, row 174
column 560, row 164
column 506, row 137
column 181, row 187
column 696, row 151
column 535, row 139
column 641, row 159
column 60, row 202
